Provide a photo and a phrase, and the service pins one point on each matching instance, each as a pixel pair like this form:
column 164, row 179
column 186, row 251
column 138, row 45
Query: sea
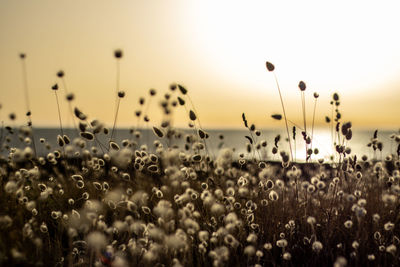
column 234, row 139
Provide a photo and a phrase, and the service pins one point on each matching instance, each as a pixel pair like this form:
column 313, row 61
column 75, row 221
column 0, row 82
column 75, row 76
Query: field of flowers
column 172, row 203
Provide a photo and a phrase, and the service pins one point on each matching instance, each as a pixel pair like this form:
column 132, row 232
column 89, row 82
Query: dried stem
column 117, row 100
column 27, row 102
column 284, row 115
column 115, row 119
column 313, row 120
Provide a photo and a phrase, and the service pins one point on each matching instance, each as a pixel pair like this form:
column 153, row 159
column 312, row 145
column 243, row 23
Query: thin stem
column 96, row 140
column 198, row 119
column 117, row 78
column 59, row 114
column 27, row 103
column 284, row 114
column 313, row 120
column 115, row 119
column 69, row 103
column 303, row 103
column 117, row 99
column 332, row 136
column 1, row 135
column 295, row 150
column 59, row 118
column 25, row 81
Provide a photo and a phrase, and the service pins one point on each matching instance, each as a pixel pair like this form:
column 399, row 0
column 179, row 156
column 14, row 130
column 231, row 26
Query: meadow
column 86, row 202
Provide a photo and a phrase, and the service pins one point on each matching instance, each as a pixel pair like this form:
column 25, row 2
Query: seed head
column 121, row 94
column 311, row 220
column 118, row 53
column 192, row 115
column 316, row 95
column 182, row 89
column 54, row 87
column 181, row 101
column 158, row 132
column 317, row 246
column 302, row 86
column 60, row 74
column 70, row 97
column 114, row 146
column 336, row 97
column 22, row 55
column 277, row 117
column 348, row 224
column 270, row 66
column 172, row 87
column 87, row 135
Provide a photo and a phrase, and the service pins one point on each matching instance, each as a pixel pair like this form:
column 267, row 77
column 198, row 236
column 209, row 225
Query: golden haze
column 217, row 50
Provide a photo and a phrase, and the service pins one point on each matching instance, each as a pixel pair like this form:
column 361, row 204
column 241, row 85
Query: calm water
column 234, row 139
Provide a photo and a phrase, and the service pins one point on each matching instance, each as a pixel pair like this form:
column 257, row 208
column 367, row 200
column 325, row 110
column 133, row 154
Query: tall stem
column 28, row 108
column 303, row 104
column 284, row 115
column 117, row 100
column 115, row 119
column 59, row 114
column 313, row 120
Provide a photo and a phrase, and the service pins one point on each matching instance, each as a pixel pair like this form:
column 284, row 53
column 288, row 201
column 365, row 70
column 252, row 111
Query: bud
column 118, row 53
column 121, row 94
column 60, row 74
column 270, row 66
column 302, row 86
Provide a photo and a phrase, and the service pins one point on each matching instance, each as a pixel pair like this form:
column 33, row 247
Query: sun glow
column 349, row 45
column 217, row 49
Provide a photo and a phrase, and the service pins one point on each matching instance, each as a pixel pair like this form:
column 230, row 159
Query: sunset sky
column 216, row 49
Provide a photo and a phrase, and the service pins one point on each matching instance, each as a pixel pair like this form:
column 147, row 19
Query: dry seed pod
column 276, row 116
column 60, row 74
column 87, row 135
column 79, row 114
column 82, row 126
column 158, row 132
column 302, row 86
column 192, row 115
column 152, row 92
column 335, row 97
column 118, row 53
column 249, row 138
column 121, row 94
column 270, row 66
column 165, row 124
column 182, row 89
column 244, row 120
column 152, row 168
column 60, row 140
column 327, row 119
column 70, row 97
column 196, row 158
column 66, row 139
column 202, row 134
column 114, row 146
column 181, row 101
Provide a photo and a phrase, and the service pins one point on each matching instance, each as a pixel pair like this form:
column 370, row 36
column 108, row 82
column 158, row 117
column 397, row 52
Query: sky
column 216, row 49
